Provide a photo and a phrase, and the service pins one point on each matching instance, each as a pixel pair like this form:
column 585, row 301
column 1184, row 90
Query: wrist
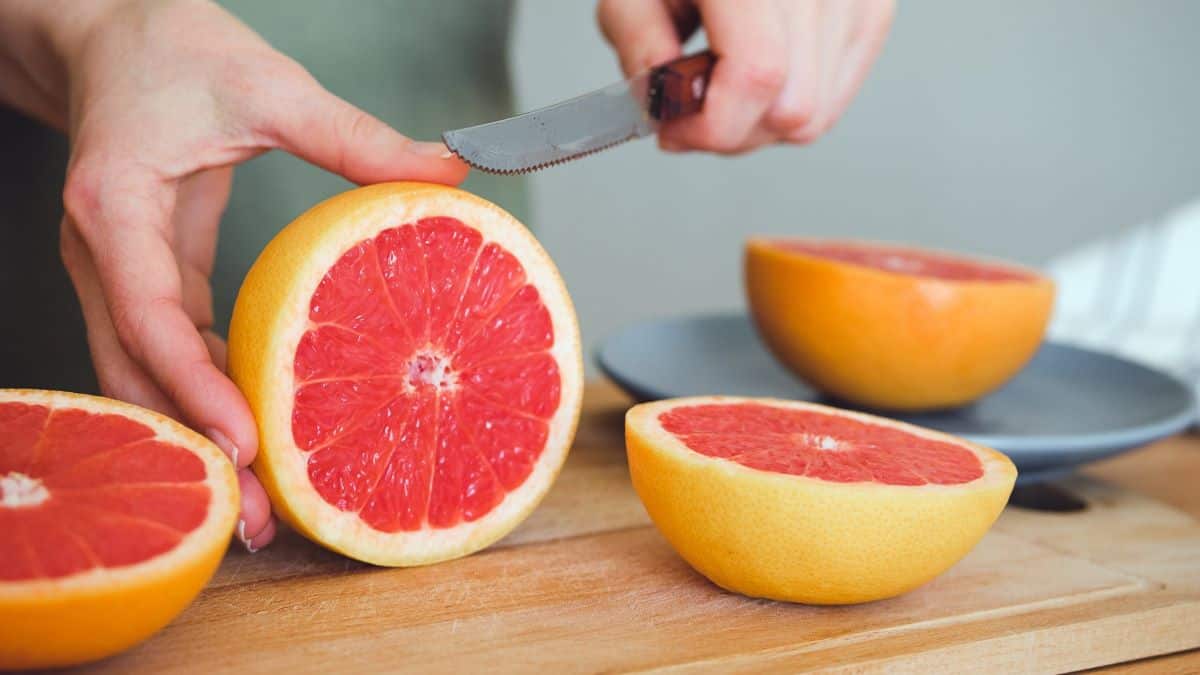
column 37, row 38
column 64, row 25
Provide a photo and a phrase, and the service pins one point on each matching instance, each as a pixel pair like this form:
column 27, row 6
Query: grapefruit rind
column 271, row 315
column 89, row 615
column 801, row 539
column 892, row 340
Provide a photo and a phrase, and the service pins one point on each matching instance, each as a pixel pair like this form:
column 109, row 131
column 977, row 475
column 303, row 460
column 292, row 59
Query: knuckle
column 355, row 129
column 356, row 125
column 81, row 192
column 804, row 135
column 721, row 136
column 130, row 323
column 794, row 115
column 259, row 91
column 763, row 77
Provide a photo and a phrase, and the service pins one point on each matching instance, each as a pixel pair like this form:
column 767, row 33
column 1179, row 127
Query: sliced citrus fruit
column 413, row 361
column 806, row 503
column 892, row 327
column 112, row 519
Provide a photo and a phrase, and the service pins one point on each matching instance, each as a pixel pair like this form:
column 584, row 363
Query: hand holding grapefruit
column 112, row 518
column 805, row 503
column 894, row 328
column 412, row 360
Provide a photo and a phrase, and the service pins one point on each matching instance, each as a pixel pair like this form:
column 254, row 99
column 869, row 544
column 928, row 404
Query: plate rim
column 1126, row 438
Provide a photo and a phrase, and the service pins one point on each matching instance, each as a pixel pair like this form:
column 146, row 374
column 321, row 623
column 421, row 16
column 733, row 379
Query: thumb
column 336, row 136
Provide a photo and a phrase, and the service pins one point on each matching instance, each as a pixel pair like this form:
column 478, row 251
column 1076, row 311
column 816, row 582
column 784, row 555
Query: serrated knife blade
column 585, row 124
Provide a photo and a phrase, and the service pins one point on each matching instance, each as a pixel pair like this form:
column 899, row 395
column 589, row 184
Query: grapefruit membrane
column 806, row 503
column 412, row 359
column 112, row 519
column 894, row 327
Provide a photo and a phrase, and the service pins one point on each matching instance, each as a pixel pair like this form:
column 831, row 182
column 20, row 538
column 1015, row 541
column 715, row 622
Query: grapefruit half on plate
column 893, row 327
column 412, row 359
column 806, row 503
column 112, row 518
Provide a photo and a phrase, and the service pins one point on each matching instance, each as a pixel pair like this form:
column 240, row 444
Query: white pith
column 212, row 533
column 996, row 467
column 431, row 367
column 18, row 490
column 345, row 530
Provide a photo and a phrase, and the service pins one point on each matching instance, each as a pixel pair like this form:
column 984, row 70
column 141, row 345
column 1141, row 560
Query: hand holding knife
column 589, row 123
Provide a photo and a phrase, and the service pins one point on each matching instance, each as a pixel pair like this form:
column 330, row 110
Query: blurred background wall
column 1013, row 129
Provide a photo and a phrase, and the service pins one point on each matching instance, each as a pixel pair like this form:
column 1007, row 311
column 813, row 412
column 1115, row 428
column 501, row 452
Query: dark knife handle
column 677, row 88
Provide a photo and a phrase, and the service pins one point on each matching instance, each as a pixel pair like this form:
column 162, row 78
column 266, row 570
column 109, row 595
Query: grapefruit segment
column 413, row 362
column 113, row 517
column 894, row 328
column 806, row 503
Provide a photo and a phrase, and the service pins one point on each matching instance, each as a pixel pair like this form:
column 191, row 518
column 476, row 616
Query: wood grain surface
column 586, row 584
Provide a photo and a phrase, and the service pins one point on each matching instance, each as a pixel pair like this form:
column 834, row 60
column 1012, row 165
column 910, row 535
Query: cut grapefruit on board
column 805, row 503
column 412, row 359
column 891, row 327
column 112, row 518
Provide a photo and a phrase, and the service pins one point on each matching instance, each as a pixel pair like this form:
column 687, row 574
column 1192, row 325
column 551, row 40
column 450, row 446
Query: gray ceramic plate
column 1067, row 407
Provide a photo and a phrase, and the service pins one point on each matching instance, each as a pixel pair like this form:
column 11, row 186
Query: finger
column 123, row 217
column 256, row 508
column 118, row 376
column 751, row 69
column 329, row 132
column 216, row 349
column 643, row 32
column 262, row 539
column 867, row 42
column 797, row 103
column 199, row 204
column 834, row 27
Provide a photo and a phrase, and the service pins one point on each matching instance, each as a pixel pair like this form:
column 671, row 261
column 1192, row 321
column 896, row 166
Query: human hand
column 164, row 98
column 786, row 72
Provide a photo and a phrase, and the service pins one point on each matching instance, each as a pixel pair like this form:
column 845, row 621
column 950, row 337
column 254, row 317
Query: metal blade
column 557, row 133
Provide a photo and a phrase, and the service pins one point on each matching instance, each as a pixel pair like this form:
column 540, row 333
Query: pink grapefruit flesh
column 911, row 262
column 85, row 490
column 801, row 502
column 412, row 358
column 424, row 407
column 112, row 519
column 819, row 445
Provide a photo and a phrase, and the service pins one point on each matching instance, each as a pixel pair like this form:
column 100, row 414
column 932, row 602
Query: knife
column 588, row 123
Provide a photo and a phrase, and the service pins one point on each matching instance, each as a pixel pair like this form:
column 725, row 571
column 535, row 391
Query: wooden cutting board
column 586, row 584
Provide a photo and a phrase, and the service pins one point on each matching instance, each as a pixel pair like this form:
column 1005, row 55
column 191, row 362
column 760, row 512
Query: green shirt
column 422, row 66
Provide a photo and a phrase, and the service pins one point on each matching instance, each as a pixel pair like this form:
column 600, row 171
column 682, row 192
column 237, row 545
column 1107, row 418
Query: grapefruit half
column 412, row 359
column 112, row 518
column 892, row 327
column 806, row 503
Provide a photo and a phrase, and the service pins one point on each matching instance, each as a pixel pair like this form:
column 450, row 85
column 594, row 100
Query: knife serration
column 557, row 133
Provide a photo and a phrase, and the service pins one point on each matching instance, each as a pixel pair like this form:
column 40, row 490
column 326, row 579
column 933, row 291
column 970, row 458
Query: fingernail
column 241, row 535
column 227, row 446
column 431, row 150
